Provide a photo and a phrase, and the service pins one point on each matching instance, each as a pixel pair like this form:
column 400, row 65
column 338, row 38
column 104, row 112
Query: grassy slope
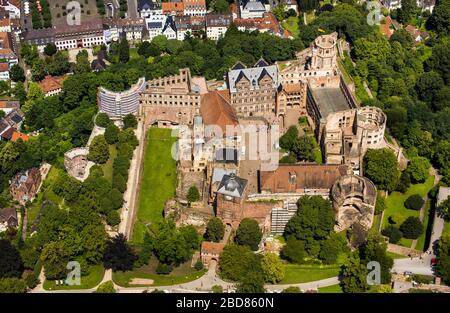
column 158, row 180
column 295, row 274
column 93, row 279
column 291, row 24
column 331, row 289
column 108, row 166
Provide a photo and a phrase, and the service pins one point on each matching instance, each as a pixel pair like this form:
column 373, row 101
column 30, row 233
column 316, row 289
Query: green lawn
column 108, row 166
column 394, row 202
column 295, row 274
column 291, row 24
column 158, row 182
column 90, row 281
column 331, row 289
column 395, row 255
column 376, row 224
column 446, row 228
column 181, row 274
column 134, row 54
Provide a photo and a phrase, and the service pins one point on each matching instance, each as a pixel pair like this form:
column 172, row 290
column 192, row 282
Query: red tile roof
column 50, row 83
column 18, row 135
column 215, row 109
column 4, row 67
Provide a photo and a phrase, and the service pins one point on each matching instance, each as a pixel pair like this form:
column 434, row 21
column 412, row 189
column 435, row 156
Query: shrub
column 163, row 269
column 393, row 233
column 404, row 182
column 102, row 120
column 217, row 289
column 414, row 202
column 198, row 265
column 380, row 205
column 292, row 289
column 411, row 228
column 106, row 287
column 193, row 194
column 113, row 218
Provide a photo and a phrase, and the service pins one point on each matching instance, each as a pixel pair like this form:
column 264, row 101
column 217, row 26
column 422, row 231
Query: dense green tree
column 129, row 121
column 381, row 167
column 113, row 218
column 10, row 260
column 118, row 255
column 102, row 120
column 294, row 251
column 374, row 249
column 292, row 289
column 440, row 19
column 331, row 247
column 193, row 194
column 124, row 51
column 418, row 169
column 112, row 133
column 272, row 268
column 414, row 202
column 215, row 230
column 404, row 182
column 393, row 233
column 220, row 6
column 408, row 10
column 236, row 262
column 411, row 228
column 50, row 49
column 12, row 285
column 252, row 282
column 443, row 258
column 147, row 49
column 128, row 136
column 403, row 37
column 380, row 204
column 16, row 73
column 354, row 276
column 98, row 150
column 249, row 233
column 314, row 219
column 106, row 287
column 55, row 256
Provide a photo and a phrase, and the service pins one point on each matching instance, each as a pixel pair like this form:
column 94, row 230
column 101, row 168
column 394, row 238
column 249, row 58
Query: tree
column 252, row 282
column 217, row 289
column 106, row 287
column 124, row 51
column 12, row 285
column 393, row 233
column 404, row 183
column 314, row 219
column 118, row 255
column 330, row 248
column 440, row 18
column 102, row 120
column 83, row 65
column 55, row 257
column 147, row 49
column 119, row 183
column 16, row 73
column 214, row 230
column 129, row 120
column 418, row 169
column 98, row 150
column 193, row 195
column 172, row 246
column 381, row 167
column 294, row 251
column 443, row 258
column 113, row 218
column 249, row 233
column 414, row 202
column 411, row 228
column 354, row 276
column 220, row 6
column 407, row 11
column 50, row 49
column 238, row 261
column 112, row 133
column 403, row 37
column 272, row 268
column 278, row 11
column 374, row 249
column 128, row 136
column 10, row 260
column 198, row 265
column 380, row 204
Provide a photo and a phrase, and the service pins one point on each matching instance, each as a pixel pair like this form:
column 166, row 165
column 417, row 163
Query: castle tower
column 324, row 52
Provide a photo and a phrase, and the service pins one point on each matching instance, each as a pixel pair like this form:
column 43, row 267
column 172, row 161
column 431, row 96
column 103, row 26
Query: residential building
column 266, row 23
column 217, row 25
column 12, row 7
column 8, row 219
column 160, row 25
column 148, row 7
column 8, row 106
column 4, row 71
column 189, row 24
column 172, row 100
column 8, row 48
column 253, row 90
column 253, row 8
column 392, row 4
column 25, row 185
column 130, row 28
column 173, row 8
column 426, row 5
column 51, row 85
column 194, row 7
column 416, row 34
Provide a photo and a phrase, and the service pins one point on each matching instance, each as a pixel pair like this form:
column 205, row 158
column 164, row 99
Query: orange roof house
column 18, row 135
column 385, row 28
column 51, row 85
column 173, row 8
column 211, row 251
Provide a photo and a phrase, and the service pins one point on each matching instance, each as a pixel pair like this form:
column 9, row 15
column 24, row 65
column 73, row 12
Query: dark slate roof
column 154, row 25
column 238, row 66
column 261, row 63
column 232, row 185
column 6, row 214
column 16, row 118
column 170, row 22
column 8, row 133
